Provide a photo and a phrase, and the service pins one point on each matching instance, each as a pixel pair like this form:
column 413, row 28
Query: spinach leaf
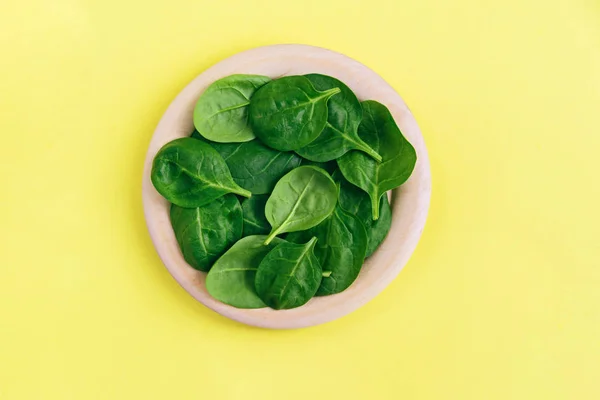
column 204, row 233
column 231, row 279
column 340, row 249
column 255, row 221
column 380, row 131
column 221, row 113
column 288, row 113
column 254, row 166
column 190, row 173
column 289, row 276
column 329, row 166
column 357, row 202
column 341, row 130
column 301, row 199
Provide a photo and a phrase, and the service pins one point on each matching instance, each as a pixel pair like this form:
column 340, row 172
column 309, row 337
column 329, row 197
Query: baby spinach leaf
column 340, row 249
column 221, row 113
column 190, row 173
column 204, row 233
column 357, row 202
column 255, row 221
column 380, row 131
column 253, row 165
column 231, row 279
column 329, row 166
column 288, row 113
column 301, row 199
column 289, row 276
column 341, row 130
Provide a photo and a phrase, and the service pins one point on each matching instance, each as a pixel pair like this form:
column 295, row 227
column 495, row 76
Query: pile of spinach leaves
column 280, row 192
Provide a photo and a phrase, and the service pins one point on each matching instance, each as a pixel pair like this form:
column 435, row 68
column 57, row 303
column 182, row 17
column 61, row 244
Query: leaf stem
column 333, row 91
column 271, row 236
column 375, row 155
column 327, row 93
column 375, row 208
column 243, row 192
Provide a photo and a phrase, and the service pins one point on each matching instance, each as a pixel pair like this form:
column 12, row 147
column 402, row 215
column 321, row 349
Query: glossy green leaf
column 301, row 199
column 357, row 202
column 255, row 221
column 231, row 279
column 289, row 113
column 340, row 134
column 380, row 131
column 221, row 114
column 289, row 276
column 340, row 249
column 254, row 166
column 204, row 233
column 190, row 173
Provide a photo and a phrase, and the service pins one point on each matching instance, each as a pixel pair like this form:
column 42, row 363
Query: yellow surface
column 500, row 301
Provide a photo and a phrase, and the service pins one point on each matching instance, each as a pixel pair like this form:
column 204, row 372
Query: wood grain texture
column 410, row 203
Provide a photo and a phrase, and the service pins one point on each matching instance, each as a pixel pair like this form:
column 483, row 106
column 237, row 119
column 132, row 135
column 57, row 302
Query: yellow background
column 501, row 300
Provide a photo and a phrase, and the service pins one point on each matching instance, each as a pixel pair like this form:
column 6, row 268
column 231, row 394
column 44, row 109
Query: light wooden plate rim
column 410, row 203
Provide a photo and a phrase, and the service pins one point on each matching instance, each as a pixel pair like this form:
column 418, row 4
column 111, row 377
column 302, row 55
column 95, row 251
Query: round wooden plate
column 410, row 203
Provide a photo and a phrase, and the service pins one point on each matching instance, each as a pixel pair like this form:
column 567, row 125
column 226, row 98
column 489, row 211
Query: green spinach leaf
column 340, row 249
column 231, row 279
column 221, row 113
column 341, row 130
column 357, row 202
column 288, row 113
column 254, row 166
column 190, row 173
column 301, row 199
column 204, row 233
column 380, row 131
column 289, row 276
column 255, row 221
